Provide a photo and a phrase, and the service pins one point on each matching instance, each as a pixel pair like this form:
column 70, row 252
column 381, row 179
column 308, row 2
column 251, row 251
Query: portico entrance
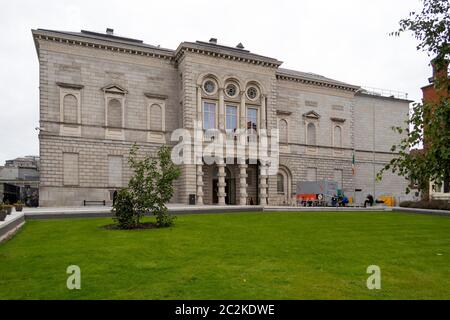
column 230, row 188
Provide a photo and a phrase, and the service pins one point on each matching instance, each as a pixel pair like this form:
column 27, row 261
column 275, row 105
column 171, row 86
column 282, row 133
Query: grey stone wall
column 95, row 155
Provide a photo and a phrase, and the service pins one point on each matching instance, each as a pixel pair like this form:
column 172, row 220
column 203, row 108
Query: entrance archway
column 230, row 188
column 284, row 185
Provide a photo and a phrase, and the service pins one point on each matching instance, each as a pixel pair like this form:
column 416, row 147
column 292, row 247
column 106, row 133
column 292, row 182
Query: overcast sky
column 346, row 40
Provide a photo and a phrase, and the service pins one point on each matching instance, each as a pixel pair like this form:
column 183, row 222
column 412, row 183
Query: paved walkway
column 11, row 224
column 102, row 211
column 105, row 211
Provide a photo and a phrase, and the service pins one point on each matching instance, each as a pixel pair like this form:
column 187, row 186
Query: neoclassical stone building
column 100, row 93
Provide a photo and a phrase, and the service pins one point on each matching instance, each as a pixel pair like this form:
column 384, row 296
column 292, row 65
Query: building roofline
column 369, row 95
column 101, row 41
column 221, row 51
column 314, row 79
column 122, row 44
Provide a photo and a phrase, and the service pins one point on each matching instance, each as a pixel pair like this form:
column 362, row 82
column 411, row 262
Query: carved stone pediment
column 114, row 88
column 311, row 115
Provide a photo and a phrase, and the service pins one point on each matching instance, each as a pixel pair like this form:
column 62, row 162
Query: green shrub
column 163, row 218
column 124, row 214
column 148, row 191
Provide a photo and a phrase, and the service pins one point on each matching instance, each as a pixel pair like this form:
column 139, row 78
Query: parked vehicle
column 316, row 193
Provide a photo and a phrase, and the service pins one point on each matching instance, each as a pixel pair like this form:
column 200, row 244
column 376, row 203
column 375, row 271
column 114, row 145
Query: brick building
column 100, row 93
column 432, row 94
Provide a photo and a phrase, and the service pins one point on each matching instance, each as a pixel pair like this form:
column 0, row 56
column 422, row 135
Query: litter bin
column 192, row 199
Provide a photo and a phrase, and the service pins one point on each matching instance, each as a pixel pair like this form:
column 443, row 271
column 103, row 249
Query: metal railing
column 384, row 93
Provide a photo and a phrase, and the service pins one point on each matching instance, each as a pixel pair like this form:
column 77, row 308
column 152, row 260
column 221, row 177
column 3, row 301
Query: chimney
column 213, row 40
column 109, row 31
column 240, row 46
column 439, row 71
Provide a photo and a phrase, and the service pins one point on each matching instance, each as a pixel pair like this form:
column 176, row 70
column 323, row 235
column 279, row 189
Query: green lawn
column 308, row 255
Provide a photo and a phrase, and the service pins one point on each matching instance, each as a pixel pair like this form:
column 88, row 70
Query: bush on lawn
column 148, row 191
column 424, row 204
column 124, row 215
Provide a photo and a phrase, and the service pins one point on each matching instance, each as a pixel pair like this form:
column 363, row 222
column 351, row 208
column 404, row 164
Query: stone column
column 263, row 184
column 199, row 107
column 243, row 184
column 221, row 124
column 199, row 184
column 221, row 184
column 243, row 115
column 263, row 112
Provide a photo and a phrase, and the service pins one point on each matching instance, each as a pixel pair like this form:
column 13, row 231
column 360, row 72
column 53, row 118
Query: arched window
column 280, row 183
column 70, row 109
column 114, row 113
column 283, row 130
column 156, row 117
column 337, row 136
column 311, row 134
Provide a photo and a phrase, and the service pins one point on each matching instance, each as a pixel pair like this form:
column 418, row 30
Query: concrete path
column 11, row 224
column 102, row 211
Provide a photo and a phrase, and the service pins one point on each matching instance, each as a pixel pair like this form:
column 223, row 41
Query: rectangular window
column 115, row 171
column 311, row 174
column 252, row 118
column 70, row 169
column 231, row 118
column 209, row 115
column 339, row 177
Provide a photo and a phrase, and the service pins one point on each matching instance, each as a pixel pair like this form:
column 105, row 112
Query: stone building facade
column 100, row 93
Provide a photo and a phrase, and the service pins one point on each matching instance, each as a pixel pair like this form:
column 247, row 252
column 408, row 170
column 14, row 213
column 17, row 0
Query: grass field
column 308, row 255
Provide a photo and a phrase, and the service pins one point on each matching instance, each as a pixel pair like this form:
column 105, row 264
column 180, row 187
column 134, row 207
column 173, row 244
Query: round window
column 231, row 90
column 209, row 86
column 252, row 93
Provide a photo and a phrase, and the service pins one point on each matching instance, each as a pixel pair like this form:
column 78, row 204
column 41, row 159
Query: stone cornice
column 70, row 85
column 79, row 40
column 283, row 112
column 224, row 53
column 155, row 96
column 319, row 83
column 340, row 120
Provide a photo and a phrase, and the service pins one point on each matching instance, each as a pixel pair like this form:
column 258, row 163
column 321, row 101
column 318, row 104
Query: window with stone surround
column 283, row 130
column 337, row 137
column 209, row 115
column 339, row 177
column 114, row 111
column 210, row 86
column 115, row 178
column 311, row 134
column 252, row 93
column 231, row 90
column 311, row 174
column 70, row 109
column 280, row 183
column 231, row 120
column 252, row 118
column 70, row 169
column 156, row 117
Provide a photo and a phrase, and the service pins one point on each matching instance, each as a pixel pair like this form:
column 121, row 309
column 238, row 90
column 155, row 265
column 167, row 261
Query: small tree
column 429, row 123
column 149, row 189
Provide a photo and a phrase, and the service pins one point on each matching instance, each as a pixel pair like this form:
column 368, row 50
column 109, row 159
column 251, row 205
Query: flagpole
column 353, row 173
